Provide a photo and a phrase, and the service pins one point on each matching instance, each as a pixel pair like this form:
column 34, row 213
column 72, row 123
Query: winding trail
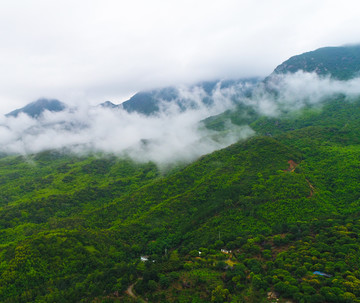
column 130, row 292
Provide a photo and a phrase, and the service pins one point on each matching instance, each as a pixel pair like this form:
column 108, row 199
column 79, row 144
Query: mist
column 173, row 134
column 282, row 93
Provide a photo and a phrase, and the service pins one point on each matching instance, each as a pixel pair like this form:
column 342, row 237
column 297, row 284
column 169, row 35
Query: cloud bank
column 173, row 134
column 290, row 92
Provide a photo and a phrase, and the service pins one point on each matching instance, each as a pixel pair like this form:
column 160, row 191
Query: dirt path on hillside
column 292, row 166
column 291, row 169
column 130, row 291
column 312, row 188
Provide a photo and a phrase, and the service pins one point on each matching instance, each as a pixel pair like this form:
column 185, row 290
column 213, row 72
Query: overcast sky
column 96, row 50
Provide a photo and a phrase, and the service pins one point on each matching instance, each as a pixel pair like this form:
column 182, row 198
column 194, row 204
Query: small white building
column 144, row 258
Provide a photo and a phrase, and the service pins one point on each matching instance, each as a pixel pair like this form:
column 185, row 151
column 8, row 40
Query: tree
column 220, row 294
column 259, row 282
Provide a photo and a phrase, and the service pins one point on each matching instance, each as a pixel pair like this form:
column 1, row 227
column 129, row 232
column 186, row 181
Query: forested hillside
column 285, row 203
column 272, row 218
column 339, row 62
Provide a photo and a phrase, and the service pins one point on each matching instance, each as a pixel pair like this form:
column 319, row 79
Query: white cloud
column 171, row 135
column 297, row 90
column 95, row 50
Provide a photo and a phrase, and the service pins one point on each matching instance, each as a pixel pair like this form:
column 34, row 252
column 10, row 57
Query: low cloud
column 174, row 134
column 288, row 92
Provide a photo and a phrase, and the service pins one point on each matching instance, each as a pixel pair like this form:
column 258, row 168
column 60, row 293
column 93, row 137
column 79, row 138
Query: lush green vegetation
column 286, row 203
column 340, row 62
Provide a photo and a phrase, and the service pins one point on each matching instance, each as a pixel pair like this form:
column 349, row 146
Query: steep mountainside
column 271, row 218
column 340, row 62
column 79, row 225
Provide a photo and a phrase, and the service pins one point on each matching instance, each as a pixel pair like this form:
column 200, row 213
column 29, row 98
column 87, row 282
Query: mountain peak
column 108, row 104
column 341, row 62
column 36, row 108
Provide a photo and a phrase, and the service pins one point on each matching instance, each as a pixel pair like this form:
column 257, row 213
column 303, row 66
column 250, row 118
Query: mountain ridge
column 341, row 62
column 36, row 108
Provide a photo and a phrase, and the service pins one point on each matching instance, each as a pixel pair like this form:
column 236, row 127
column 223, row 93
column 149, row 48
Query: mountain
column 36, row 108
column 109, row 104
column 342, row 63
column 73, row 228
column 150, row 102
column 275, row 217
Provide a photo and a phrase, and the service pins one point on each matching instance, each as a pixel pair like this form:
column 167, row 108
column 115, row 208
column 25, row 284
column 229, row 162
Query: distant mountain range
column 339, row 62
column 149, row 102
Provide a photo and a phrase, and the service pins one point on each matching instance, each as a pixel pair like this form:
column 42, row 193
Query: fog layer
column 173, row 134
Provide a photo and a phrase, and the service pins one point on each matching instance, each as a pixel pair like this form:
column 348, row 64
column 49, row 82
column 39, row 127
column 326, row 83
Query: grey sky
column 94, row 50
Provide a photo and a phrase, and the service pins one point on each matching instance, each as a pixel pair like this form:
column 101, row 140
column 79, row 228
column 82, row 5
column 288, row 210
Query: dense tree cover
column 286, row 203
column 340, row 62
